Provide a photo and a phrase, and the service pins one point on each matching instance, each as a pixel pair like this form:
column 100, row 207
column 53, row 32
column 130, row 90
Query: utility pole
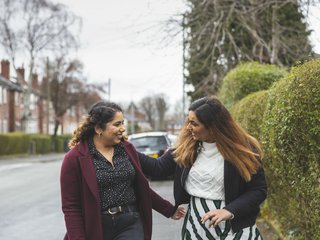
column 183, row 68
column 133, row 130
column 48, row 94
column 109, row 89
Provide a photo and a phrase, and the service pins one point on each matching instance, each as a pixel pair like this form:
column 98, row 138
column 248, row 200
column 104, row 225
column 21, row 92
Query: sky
column 125, row 41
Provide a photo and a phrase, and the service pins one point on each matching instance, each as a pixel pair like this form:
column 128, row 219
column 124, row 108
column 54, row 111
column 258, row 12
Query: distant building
column 136, row 121
column 41, row 117
column 10, row 100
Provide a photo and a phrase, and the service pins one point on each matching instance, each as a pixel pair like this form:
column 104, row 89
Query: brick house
column 10, row 101
column 41, row 116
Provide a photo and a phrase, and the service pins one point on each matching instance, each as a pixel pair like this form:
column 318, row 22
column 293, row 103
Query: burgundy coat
column 81, row 201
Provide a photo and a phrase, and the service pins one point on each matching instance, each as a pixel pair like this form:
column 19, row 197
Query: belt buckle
column 113, row 213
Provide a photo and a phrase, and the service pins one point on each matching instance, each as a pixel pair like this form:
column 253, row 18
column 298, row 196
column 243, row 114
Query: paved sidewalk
column 14, row 159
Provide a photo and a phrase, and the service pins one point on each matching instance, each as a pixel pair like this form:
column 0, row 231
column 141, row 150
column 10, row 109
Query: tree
column 68, row 88
column 220, row 34
column 162, row 107
column 32, row 28
column 155, row 108
column 148, row 107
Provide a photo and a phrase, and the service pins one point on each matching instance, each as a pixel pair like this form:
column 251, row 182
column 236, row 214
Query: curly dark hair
column 99, row 115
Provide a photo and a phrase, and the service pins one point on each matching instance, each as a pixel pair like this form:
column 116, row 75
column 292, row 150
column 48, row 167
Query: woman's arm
column 158, row 167
column 165, row 207
column 71, row 199
column 248, row 202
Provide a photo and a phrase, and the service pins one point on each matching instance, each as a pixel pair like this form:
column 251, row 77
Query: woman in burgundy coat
column 105, row 195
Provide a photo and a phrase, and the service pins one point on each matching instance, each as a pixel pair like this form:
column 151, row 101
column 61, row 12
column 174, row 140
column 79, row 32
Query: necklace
column 108, row 154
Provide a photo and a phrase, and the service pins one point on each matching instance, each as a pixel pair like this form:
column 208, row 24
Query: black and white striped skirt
column 194, row 229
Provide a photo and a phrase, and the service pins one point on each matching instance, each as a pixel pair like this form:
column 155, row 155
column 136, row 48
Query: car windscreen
column 151, row 142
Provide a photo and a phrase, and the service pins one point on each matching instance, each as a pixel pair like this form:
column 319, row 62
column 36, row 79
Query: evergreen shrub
column 291, row 137
column 22, row 143
column 14, row 143
column 249, row 112
column 40, row 144
column 247, row 78
column 60, row 142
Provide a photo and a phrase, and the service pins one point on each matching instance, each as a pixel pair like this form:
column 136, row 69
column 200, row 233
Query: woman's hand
column 179, row 213
column 216, row 216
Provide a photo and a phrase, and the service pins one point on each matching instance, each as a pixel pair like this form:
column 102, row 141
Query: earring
column 200, row 147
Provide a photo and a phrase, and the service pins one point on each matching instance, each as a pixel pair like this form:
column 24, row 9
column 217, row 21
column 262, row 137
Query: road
column 30, row 206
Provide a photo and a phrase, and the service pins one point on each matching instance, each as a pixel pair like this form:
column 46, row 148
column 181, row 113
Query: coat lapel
column 88, row 170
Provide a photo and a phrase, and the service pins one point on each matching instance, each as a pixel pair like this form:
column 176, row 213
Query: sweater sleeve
column 71, row 198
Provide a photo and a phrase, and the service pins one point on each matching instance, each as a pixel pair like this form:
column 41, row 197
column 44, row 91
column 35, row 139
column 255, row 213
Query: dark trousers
column 122, row 226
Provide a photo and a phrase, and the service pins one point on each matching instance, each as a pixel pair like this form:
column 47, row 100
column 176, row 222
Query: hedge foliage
column 250, row 111
column 286, row 119
column 247, row 78
column 60, row 142
column 40, row 144
column 292, row 143
column 14, row 143
column 21, row 143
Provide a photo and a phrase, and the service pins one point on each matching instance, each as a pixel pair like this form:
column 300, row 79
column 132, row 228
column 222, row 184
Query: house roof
column 10, row 85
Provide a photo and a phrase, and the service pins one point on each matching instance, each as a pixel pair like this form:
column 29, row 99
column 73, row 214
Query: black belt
column 121, row 209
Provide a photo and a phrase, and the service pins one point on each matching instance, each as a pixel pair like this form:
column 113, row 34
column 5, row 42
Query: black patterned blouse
column 115, row 182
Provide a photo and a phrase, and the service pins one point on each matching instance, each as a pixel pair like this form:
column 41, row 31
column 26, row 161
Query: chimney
column 20, row 72
column 35, row 84
column 5, row 69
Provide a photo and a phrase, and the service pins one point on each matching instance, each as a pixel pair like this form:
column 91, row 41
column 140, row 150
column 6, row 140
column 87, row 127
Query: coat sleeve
column 70, row 186
column 161, row 205
column 151, row 165
column 248, row 202
column 158, row 167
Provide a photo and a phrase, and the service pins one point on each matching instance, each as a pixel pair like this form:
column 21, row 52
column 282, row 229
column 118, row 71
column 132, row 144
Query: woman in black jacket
column 217, row 171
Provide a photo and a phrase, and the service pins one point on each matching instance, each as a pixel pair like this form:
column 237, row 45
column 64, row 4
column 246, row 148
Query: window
column 17, row 98
column 3, row 95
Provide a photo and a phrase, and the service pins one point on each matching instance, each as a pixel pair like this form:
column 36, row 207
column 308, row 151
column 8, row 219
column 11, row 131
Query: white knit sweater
column 205, row 179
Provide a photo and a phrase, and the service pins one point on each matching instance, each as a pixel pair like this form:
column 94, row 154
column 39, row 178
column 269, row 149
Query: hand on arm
column 179, row 213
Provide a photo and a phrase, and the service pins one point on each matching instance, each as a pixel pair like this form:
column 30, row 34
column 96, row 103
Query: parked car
column 153, row 144
column 173, row 139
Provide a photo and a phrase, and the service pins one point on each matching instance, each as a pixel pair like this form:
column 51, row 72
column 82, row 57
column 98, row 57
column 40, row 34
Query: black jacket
column 242, row 198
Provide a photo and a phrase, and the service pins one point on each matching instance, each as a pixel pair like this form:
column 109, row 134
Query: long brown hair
column 233, row 142
column 99, row 115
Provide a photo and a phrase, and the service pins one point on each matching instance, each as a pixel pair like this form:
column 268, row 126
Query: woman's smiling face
column 114, row 130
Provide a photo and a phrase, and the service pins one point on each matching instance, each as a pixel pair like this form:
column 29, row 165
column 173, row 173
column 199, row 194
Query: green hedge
column 61, row 142
column 292, row 144
column 40, row 144
column 21, row 143
column 247, row 78
column 249, row 112
column 14, row 143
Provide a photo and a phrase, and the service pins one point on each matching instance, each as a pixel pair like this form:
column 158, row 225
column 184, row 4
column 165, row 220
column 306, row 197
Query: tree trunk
column 275, row 36
column 56, row 126
column 26, row 99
